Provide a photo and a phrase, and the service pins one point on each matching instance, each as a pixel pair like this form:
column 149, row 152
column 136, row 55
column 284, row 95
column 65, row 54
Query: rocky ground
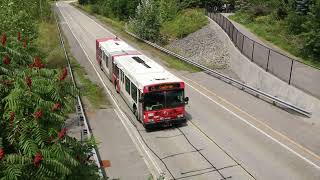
column 205, row 47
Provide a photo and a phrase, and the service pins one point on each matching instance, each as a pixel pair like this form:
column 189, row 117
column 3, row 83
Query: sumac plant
column 34, row 144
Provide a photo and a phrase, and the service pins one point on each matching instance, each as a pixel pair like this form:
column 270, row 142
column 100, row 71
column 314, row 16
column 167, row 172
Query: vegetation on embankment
column 118, row 28
column 293, row 25
column 35, row 99
column 93, row 92
column 154, row 20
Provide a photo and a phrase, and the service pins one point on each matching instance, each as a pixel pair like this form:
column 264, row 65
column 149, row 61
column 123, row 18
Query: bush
column 95, row 8
column 168, row 9
column 281, row 13
column 147, row 21
column 295, row 23
column 312, row 37
column 186, row 22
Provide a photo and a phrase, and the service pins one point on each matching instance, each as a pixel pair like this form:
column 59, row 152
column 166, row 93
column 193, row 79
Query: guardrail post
column 268, row 60
column 291, row 71
column 252, row 50
column 242, row 42
column 232, row 32
column 236, row 40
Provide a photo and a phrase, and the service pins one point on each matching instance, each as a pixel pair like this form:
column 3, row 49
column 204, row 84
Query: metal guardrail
column 244, row 87
column 81, row 114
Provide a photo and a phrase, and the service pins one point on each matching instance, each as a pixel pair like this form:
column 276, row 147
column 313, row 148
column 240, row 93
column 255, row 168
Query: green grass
column 275, row 32
column 187, row 21
column 49, row 44
column 93, row 92
column 118, row 28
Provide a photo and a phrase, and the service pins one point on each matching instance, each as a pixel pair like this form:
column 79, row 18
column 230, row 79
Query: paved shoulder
column 116, row 146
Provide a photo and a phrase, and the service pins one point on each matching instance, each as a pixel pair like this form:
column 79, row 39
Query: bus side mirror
column 141, row 100
column 186, row 100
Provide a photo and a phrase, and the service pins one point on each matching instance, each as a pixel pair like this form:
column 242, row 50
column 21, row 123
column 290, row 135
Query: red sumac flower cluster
column 28, row 81
column 3, row 39
column 64, row 74
column 6, row 60
column 36, row 63
column 2, row 153
column 56, row 106
column 62, row 133
column 37, row 159
column 38, row 114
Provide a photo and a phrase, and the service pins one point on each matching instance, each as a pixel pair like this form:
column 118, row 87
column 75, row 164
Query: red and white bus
column 155, row 96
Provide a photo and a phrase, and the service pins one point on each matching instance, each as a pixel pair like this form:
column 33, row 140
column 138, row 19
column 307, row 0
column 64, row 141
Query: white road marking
column 253, row 126
column 242, row 119
column 128, row 126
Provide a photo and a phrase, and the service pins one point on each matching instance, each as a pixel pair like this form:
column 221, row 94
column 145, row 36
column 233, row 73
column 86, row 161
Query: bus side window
column 128, row 85
column 134, row 92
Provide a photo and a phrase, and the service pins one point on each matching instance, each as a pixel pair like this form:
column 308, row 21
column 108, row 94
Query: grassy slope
column 118, row 29
column 274, row 31
column 49, row 44
column 88, row 89
column 186, row 22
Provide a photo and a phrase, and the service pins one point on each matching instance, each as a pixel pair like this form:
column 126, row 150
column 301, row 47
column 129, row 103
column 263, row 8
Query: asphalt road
column 229, row 135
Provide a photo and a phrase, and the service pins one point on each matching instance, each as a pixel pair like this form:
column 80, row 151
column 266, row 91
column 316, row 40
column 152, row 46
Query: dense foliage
column 34, row 103
column 155, row 20
column 294, row 22
column 117, row 9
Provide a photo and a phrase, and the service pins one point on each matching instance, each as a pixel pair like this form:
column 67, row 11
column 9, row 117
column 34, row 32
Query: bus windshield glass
column 163, row 99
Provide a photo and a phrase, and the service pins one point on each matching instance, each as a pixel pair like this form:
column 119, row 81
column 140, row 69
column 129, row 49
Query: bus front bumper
column 165, row 123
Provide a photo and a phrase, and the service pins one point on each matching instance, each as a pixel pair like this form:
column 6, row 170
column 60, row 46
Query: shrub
column 95, row 8
column 186, row 22
column 281, row 13
column 295, row 22
column 168, row 9
column 312, row 37
column 147, row 21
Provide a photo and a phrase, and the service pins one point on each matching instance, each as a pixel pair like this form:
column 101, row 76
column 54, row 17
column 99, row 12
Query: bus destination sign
column 163, row 87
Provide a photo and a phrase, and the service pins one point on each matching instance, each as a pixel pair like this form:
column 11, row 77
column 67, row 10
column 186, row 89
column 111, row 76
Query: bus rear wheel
column 135, row 112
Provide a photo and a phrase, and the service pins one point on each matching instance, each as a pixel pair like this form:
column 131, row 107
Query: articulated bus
column 155, row 96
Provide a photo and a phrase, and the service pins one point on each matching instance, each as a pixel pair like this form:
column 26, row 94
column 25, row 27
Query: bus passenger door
column 140, row 107
column 110, row 66
column 104, row 62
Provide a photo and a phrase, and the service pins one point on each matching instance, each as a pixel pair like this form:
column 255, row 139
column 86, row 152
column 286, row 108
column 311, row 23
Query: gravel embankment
column 205, row 47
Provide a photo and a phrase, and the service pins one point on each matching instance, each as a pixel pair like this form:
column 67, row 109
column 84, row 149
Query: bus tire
column 115, row 86
column 147, row 128
column 135, row 112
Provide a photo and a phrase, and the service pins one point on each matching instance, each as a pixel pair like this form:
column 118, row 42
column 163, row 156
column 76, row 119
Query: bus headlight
column 179, row 115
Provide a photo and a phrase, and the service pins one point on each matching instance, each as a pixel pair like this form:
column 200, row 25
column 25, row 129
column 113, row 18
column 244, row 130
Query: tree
column 147, row 21
column 312, row 37
column 303, row 6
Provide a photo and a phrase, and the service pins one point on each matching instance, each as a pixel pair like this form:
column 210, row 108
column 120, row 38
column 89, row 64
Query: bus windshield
column 163, row 99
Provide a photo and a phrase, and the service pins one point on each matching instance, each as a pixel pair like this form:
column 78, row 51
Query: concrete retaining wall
column 257, row 77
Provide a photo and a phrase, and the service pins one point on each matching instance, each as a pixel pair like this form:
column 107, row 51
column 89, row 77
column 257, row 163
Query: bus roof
column 143, row 71
column 114, row 45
